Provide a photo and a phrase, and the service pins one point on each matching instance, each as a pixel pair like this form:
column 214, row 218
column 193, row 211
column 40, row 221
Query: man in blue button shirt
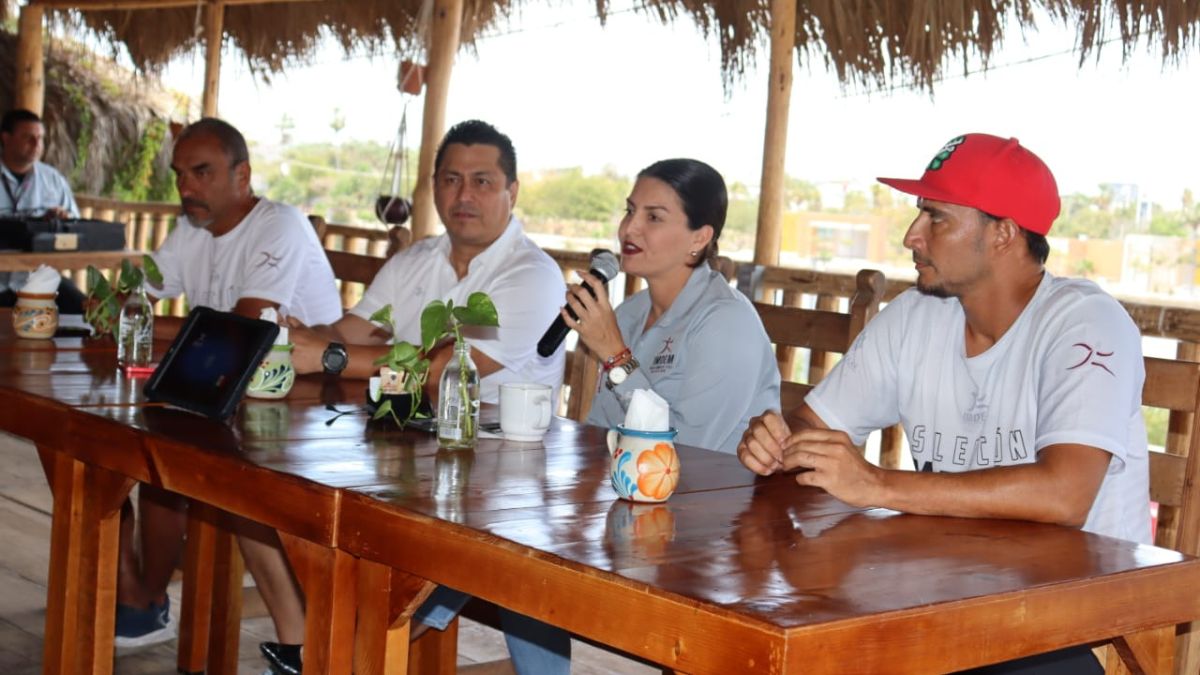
column 32, row 189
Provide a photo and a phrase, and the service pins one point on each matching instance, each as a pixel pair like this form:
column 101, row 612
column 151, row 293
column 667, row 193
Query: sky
column 572, row 93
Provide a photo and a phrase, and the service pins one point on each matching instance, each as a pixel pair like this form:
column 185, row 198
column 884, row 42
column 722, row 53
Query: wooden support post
column 779, row 94
column 446, row 24
column 31, row 80
column 214, row 31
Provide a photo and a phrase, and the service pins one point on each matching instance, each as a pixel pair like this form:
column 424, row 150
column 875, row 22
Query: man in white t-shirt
column 1020, row 393
column 483, row 249
column 231, row 251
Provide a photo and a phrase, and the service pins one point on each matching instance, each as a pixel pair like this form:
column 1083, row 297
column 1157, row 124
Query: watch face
column 334, row 359
column 617, row 375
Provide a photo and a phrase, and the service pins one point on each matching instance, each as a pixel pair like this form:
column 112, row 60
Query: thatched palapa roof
column 106, row 132
column 872, row 43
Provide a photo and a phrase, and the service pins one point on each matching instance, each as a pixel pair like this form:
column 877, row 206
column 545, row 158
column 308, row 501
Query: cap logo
column 944, row 154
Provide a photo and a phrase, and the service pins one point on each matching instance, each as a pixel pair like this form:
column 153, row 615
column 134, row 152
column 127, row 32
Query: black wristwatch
column 335, row 358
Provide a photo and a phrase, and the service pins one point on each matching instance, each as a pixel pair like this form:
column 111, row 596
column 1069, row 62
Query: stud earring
column 693, row 254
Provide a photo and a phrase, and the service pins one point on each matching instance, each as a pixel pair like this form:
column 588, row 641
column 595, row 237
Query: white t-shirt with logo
column 523, row 282
column 272, row 254
column 1069, row 370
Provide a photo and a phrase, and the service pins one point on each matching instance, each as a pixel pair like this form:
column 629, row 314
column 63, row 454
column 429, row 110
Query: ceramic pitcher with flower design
column 645, row 466
column 274, row 376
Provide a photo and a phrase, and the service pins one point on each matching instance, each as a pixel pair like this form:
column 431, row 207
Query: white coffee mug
column 525, row 411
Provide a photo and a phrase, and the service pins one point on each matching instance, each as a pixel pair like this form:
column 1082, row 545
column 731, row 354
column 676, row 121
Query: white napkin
column 269, row 314
column 647, row 411
column 44, row 279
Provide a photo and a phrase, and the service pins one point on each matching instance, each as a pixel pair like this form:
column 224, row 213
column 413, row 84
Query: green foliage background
column 342, row 181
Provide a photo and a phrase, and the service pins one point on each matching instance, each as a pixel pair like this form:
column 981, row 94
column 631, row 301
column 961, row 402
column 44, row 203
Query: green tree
column 285, row 125
column 340, row 184
column 569, row 194
column 1084, row 215
column 801, row 195
column 856, row 202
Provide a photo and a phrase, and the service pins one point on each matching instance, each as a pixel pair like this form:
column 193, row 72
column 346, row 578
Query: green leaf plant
column 439, row 321
column 102, row 308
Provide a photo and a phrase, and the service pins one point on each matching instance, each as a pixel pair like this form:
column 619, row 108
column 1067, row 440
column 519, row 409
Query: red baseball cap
column 995, row 175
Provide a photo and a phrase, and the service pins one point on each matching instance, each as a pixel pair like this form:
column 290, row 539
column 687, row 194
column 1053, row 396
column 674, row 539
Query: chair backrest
column 1175, row 485
column 819, row 330
column 354, row 253
column 1174, row 479
column 581, row 376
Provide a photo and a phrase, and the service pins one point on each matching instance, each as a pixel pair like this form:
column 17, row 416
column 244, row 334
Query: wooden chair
column 358, row 268
column 581, row 377
column 1175, row 485
column 818, row 330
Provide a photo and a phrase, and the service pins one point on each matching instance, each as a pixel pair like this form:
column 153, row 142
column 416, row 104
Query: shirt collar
column 691, row 293
column 495, row 253
column 9, row 175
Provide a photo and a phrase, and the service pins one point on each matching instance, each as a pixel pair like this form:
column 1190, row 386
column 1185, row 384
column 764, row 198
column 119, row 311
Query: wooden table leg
column 435, row 652
column 225, row 630
column 196, row 603
column 329, row 579
column 1150, row 652
column 82, row 588
column 1187, row 647
column 387, row 600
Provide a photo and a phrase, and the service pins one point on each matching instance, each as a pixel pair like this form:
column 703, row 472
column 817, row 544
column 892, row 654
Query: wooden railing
column 148, row 224
column 357, row 252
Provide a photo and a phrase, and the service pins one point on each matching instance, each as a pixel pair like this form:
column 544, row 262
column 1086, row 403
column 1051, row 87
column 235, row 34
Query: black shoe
column 283, row 659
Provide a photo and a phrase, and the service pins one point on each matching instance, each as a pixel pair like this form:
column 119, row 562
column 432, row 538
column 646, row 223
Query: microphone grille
column 605, row 262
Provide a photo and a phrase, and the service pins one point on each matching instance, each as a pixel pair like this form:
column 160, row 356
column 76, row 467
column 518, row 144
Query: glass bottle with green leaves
column 460, row 379
column 105, row 300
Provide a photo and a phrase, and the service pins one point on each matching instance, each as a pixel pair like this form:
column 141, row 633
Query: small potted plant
column 439, row 320
column 103, row 305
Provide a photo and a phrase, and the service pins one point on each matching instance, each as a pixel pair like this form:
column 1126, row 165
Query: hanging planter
column 393, row 210
column 412, row 77
column 391, row 207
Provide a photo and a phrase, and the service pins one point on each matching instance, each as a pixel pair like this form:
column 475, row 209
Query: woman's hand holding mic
column 596, row 322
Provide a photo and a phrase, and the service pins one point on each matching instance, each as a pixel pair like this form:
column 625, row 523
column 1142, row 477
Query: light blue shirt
column 708, row 356
column 43, row 188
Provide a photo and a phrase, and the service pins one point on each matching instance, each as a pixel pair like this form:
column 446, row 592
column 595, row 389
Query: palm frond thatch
column 869, row 43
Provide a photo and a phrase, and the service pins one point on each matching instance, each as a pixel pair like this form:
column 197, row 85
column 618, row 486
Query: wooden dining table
column 734, row 573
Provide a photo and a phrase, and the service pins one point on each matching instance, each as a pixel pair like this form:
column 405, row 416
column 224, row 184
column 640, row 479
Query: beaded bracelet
column 619, row 358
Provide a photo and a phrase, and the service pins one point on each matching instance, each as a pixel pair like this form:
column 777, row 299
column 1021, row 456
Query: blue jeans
column 536, row 648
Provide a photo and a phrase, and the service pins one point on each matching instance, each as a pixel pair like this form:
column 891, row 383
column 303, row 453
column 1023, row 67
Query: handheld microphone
column 605, row 267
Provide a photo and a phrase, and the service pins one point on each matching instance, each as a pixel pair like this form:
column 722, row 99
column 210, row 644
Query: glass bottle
column 135, row 330
column 458, row 400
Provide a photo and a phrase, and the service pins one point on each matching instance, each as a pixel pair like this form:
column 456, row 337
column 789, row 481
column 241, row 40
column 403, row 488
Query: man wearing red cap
column 1019, row 392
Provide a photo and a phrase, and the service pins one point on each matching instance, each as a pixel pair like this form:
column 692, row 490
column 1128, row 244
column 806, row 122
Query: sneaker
column 283, row 659
column 138, row 628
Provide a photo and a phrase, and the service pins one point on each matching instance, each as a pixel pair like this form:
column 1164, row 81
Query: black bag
column 73, row 234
